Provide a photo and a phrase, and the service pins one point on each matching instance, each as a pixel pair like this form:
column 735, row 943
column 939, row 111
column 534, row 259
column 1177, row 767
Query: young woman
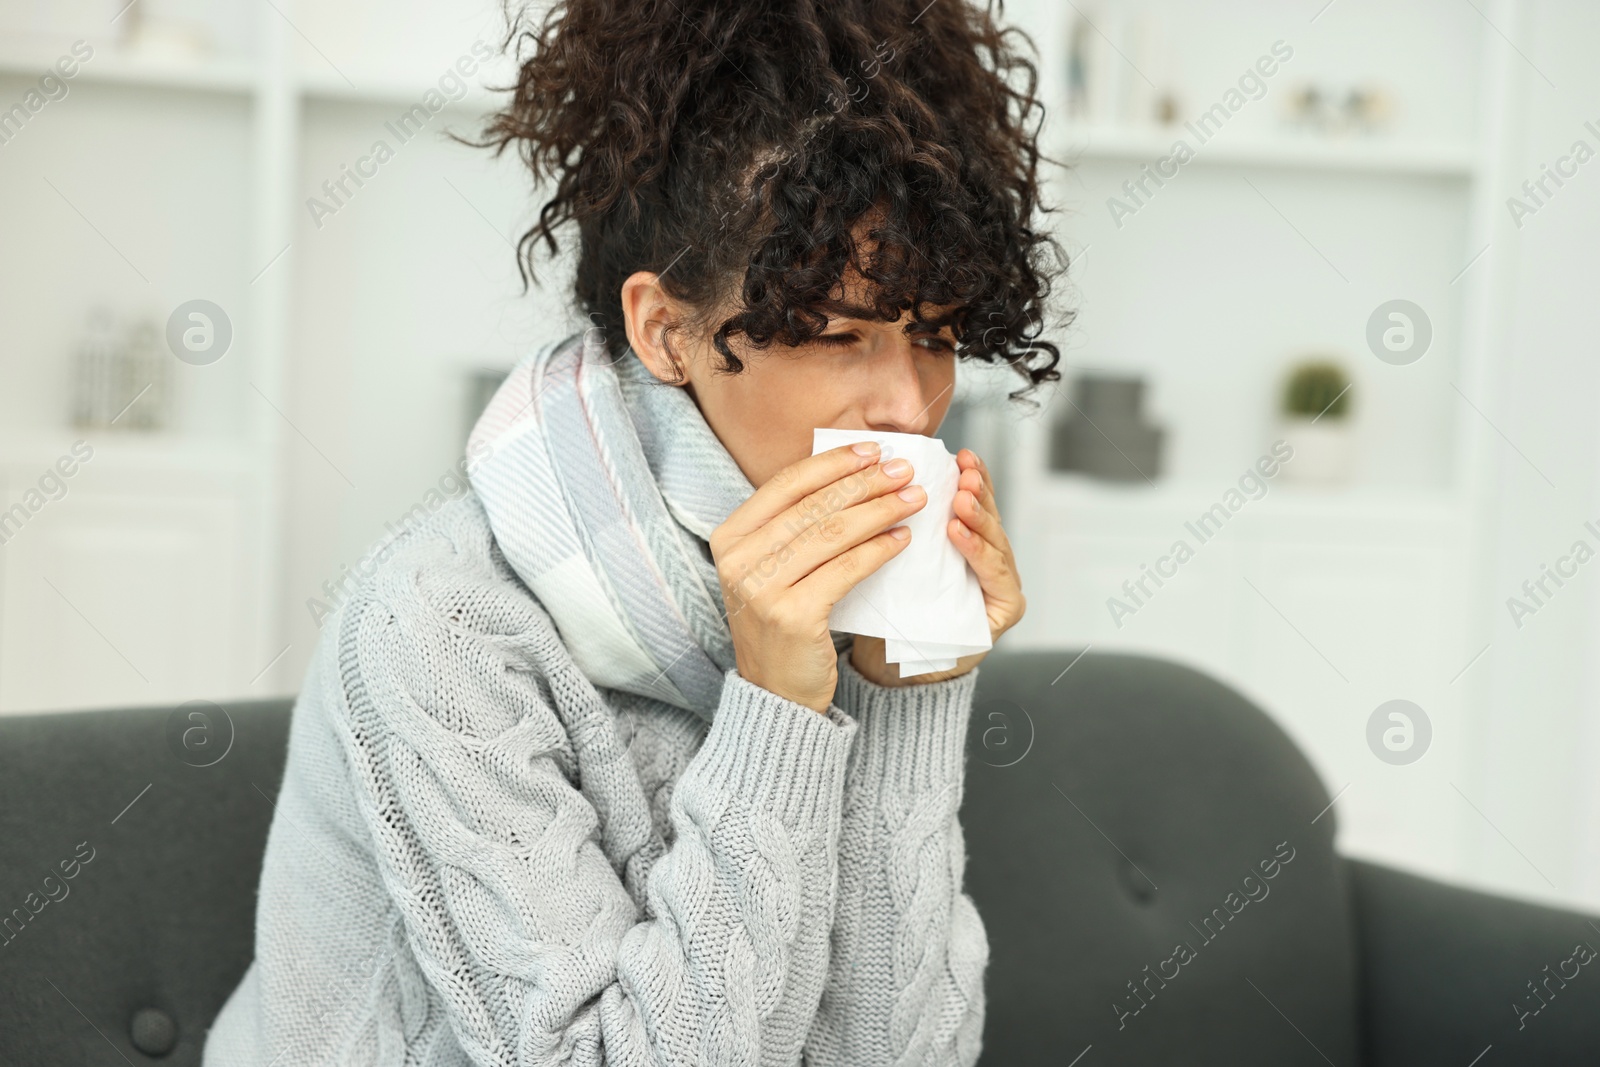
column 580, row 775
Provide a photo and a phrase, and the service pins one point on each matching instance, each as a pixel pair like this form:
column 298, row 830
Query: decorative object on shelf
column 1104, row 46
column 1335, row 110
column 171, row 42
column 1168, row 109
column 1314, row 418
column 121, row 375
column 45, row 24
column 1151, row 96
column 1103, row 433
column 167, row 31
column 1093, row 74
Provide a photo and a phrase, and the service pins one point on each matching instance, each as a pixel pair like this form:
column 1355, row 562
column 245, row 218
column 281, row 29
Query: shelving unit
column 1318, row 603
column 1463, row 169
column 108, row 67
column 234, row 77
column 239, row 469
column 385, row 89
column 1371, row 155
column 282, row 92
column 1281, row 501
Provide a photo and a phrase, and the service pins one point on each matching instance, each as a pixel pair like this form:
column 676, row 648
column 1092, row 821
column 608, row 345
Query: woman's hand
column 978, row 535
column 792, row 551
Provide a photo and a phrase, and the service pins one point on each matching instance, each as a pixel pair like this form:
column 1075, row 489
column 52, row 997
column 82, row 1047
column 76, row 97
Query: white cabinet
column 133, row 588
column 1318, row 607
column 1082, row 597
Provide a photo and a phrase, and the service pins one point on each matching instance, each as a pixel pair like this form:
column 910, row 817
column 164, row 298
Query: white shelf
column 388, row 89
column 126, row 450
column 237, row 77
column 1283, row 499
column 1373, row 154
column 227, row 76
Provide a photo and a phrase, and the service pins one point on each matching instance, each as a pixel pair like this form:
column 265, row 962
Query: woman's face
column 860, row 374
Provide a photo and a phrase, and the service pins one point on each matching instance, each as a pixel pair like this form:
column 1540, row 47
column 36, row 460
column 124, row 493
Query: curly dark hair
column 741, row 150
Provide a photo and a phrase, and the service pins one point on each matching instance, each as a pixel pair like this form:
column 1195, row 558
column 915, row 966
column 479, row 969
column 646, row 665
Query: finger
column 996, row 573
column 789, row 558
column 975, row 478
column 824, row 524
column 837, row 534
column 829, row 583
column 975, row 462
column 797, row 520
column 796, row 480
column 985, row 523
column 973, row 482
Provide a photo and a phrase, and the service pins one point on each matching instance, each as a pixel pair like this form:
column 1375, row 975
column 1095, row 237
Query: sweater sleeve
column 514, row 909
column 905, row 983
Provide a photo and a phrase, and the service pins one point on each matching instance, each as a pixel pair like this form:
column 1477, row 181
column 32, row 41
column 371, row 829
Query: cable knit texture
column 479, row 857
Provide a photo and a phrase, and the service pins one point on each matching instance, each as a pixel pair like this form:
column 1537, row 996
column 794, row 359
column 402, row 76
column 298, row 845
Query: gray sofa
column 1111, row 816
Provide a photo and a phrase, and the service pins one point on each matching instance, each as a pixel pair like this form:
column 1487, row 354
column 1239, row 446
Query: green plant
column 1317, row 387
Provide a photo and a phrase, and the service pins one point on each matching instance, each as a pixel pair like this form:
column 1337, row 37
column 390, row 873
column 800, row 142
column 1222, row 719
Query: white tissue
column 925, row 603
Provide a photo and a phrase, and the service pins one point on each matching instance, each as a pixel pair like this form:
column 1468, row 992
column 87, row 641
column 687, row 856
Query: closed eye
column 843, row 340
column 837, row 340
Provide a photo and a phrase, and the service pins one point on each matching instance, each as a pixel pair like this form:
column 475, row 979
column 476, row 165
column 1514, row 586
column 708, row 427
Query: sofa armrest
column 1447, row 972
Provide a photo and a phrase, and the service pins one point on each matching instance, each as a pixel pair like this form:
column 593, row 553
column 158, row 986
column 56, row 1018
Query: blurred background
column 1325, row 429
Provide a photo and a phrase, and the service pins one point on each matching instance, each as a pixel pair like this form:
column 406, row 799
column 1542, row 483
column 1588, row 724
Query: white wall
column 1537, row 742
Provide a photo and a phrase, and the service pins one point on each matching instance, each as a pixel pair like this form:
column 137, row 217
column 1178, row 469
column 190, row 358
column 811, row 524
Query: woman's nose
column 903, row 400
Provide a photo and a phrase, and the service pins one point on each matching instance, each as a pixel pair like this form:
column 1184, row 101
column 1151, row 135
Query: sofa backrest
column 132, row 844
column 1122, row 812
column 1111, row 813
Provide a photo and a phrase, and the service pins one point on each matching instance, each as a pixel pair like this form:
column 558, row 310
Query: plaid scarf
column 602, row 487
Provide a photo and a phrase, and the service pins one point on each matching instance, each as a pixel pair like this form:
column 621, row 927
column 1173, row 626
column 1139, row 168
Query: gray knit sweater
column 477, row 857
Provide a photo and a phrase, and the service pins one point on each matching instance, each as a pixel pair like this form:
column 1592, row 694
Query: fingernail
column 911, row 494
column 899, row 533
column 896, row 467
column 963, row 530
column 865, row 448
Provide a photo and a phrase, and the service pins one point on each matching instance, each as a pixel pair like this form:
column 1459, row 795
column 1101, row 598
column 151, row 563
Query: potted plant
column 1315, row 420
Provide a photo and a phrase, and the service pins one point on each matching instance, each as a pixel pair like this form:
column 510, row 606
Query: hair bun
column 740, row 150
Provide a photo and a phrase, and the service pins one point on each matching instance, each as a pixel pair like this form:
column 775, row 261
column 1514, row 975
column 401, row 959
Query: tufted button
column 153, row 1032
column 1136, row 884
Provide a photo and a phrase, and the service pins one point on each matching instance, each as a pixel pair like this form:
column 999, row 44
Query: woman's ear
column 647, row 310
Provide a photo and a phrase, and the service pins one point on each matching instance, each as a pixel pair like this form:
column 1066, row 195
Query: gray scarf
column 602, row 486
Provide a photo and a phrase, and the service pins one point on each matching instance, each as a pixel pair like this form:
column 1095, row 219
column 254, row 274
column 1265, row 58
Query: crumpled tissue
column 926, row 602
